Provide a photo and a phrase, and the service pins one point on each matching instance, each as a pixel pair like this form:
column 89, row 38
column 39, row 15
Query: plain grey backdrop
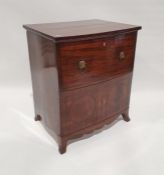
column 14, row 65
column 135, row 148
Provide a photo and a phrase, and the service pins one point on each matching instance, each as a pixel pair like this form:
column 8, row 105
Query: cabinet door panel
column 84, row 107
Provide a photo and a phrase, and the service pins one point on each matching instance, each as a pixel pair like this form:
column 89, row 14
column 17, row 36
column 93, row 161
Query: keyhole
column 104, row 44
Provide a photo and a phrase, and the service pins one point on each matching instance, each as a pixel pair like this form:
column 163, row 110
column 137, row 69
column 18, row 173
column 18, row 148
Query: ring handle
column 82, row 64
column 122, row 55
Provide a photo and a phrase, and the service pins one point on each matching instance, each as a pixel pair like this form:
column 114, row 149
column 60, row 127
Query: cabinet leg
column 37, row 118
column 62, row 146
column 125, row 116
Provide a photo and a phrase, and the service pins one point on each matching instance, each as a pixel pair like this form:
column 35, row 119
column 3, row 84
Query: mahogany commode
column 81, row 75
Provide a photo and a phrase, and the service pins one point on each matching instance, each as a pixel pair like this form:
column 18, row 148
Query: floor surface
column 133, row 148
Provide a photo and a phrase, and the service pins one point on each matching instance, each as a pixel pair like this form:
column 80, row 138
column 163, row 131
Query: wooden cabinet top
column 62, row 31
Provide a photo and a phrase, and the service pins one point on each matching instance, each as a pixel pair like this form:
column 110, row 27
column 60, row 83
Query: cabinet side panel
column 44, row 75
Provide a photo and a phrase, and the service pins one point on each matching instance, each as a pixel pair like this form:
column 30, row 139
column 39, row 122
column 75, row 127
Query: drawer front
column 84, row 107
column 85, row 62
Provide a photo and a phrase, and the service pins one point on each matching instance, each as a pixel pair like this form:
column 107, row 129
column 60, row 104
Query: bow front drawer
column 90, row 61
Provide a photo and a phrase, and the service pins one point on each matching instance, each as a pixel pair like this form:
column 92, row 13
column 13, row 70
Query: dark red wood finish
column 80, row 30
column 69, row 100
column 45, row 82
column 84, row 107
column 102, row 57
